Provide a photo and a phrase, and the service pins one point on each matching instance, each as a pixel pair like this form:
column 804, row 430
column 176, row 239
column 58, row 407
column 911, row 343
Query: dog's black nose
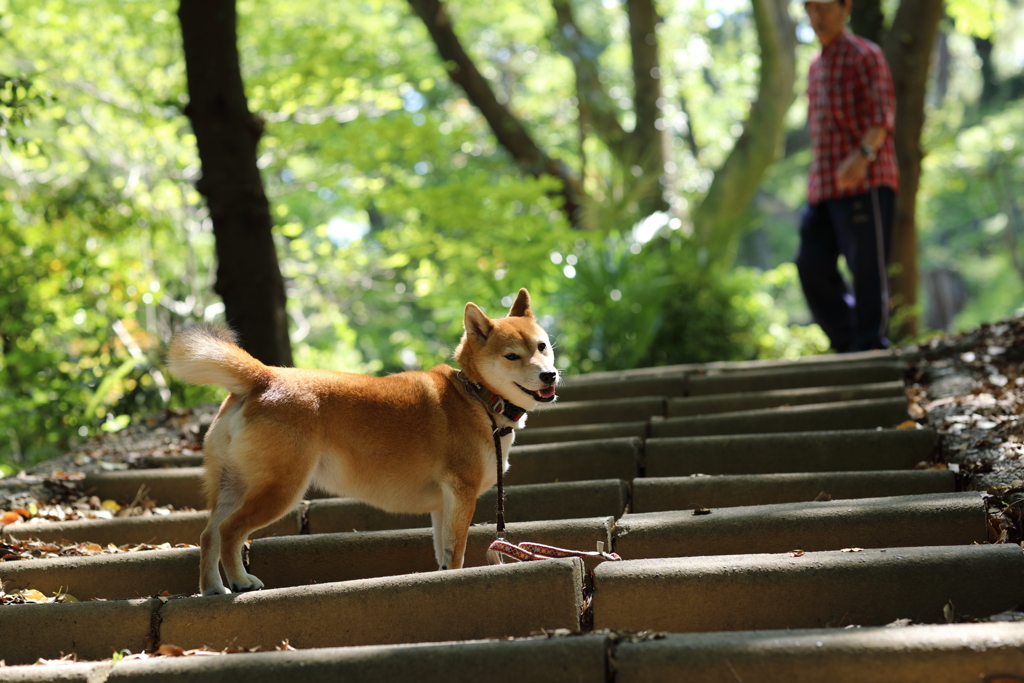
column 548, row 377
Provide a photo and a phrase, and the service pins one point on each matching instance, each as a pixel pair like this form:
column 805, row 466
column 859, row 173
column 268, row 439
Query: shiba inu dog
column 410, row 442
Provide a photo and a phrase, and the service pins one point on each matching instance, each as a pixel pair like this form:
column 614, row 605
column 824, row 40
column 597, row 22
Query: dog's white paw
column 247, row 583
column 216, row 590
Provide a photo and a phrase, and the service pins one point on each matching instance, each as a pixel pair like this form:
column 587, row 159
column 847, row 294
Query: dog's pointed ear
column 476, row 322
column 521, row 307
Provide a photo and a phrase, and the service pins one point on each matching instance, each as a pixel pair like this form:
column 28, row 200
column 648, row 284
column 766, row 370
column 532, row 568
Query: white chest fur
column 490, row 461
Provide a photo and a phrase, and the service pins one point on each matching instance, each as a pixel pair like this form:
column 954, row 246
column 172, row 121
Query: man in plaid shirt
column 852, row 183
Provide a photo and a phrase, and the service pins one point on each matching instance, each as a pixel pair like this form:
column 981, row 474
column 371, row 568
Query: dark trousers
column 860, row 228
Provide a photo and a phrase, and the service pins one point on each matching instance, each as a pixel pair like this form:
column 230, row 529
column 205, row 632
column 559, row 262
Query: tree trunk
column 867, row 20
column 597, row 111
column 511, row 133
column 649, row 141
column 908, row 47
column 721, row 216
column 248, row 276
column 643, row 151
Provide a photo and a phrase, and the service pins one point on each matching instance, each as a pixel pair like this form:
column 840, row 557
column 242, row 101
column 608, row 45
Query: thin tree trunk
column 248, row 276
column 720, row 217
column 511, row 133
column 597, row 109
column 645, row 147
column 650, row 143
column 908, row 46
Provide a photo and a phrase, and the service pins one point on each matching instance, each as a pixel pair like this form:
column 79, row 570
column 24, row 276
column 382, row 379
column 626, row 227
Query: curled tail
column 208, row 354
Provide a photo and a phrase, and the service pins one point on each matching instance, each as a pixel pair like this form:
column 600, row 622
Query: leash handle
column 525, row 552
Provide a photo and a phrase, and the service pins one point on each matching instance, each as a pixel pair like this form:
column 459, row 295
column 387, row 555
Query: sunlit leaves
column 974, row 17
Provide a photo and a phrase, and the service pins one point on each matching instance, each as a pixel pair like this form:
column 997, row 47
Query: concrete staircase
column 771, row 518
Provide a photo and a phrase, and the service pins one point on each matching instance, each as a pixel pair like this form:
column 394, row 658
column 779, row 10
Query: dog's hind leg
column 227, row 501
column 262, row 505
column 459, row 504
column 436, row 520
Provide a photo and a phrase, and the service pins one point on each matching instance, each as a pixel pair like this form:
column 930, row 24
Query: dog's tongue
column 550, row 391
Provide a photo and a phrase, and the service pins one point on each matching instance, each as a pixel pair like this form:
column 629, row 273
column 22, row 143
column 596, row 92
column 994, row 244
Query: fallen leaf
column 64, row 597
column 851, row 550
column 796, row 553
column 168, row 650
column 823, row 497
column 32, row 595
column 702, row 511
column 111, row 505
column 948, row 612
column 908, row 424
column 10, row 518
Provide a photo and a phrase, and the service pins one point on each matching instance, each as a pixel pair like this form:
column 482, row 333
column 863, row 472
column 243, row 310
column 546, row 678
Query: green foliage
column 974, row 217
column 94, row 181
column 975, row 17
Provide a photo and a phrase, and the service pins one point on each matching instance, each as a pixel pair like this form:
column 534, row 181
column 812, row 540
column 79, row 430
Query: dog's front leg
column 459, row 503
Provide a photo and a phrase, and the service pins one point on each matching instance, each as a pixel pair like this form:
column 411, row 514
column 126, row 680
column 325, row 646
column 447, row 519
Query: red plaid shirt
column 849, row 91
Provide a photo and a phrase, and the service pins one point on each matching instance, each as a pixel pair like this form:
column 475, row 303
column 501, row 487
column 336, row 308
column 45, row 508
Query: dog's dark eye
column 541, row 347
column 512, row 356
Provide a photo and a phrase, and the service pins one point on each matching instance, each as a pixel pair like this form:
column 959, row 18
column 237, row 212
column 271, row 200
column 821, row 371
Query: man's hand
column 852, row 170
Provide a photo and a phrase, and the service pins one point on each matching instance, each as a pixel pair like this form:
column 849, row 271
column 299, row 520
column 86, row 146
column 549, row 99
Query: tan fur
column 410, row 442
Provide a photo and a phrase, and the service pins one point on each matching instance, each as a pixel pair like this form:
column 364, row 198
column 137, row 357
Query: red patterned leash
column 526, row 552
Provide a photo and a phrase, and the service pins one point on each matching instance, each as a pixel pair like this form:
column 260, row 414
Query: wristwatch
column 868, row 152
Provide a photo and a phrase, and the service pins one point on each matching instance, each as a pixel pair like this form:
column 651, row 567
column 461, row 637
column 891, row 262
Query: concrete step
column 614, row 423
column 170, row 461
column 285, row 561
column 592, row 432
column 481, row 602
column 536, row 502
column 539, row 464
column 656, row 494
column 176, row 527
column 950, row 653
column 839, row 451
column 605, row 411
column 176, row 486
column 543, row 658
column 871, row 587
column 794, row 377
column 931, row 519
column 729, row 403
column 525, row 503
column 679, row 381
column 575, row 461
column 861, row 414
column 710, row 407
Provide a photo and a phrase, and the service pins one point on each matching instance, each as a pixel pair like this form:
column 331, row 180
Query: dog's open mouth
column 545, row 395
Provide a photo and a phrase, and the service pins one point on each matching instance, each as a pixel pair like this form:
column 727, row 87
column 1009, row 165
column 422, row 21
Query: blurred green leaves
column 394, row 206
